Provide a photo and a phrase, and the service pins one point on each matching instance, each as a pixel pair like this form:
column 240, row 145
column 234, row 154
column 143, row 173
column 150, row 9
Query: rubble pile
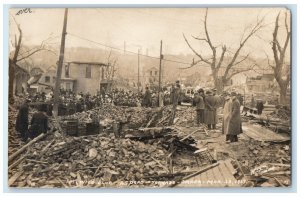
column 14, row 140
column 105, row 160
column 283, row 113
column 255, row 156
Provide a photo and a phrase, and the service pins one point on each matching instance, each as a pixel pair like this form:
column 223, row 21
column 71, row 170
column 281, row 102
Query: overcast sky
column 145, row 27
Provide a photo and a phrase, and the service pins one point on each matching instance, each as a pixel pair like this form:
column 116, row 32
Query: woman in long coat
column 234, row 127
column 226, row 114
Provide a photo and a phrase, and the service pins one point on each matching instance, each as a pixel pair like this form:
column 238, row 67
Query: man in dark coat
column 259, row 107
column 147, row 98
column 22, row 120
column 210, row 113
column 39, row 124
column 234, row 127
column 199, row 102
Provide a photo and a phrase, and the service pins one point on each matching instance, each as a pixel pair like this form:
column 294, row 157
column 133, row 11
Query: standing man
column 39, row 123
column 199, row 102
column 22, row 120
column 210, row 110
column 175, row 99
column 147, row 98
column 259, row 106
column 226, row 114
column 234, row 127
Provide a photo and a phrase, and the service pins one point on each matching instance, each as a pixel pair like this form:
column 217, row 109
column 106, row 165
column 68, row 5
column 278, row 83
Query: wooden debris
column 15, row 177
column 13, row 156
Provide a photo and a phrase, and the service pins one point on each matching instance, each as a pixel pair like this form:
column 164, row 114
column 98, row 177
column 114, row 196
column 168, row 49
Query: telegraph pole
column 138, row 83
column 60, row 63
column 159, row 79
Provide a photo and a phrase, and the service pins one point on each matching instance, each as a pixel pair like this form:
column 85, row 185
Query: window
column 68, row 86
column 53, row 79
column 67, row 70
column 150, row 73
column 47, row 79
column 88, row 71
column 155, row 73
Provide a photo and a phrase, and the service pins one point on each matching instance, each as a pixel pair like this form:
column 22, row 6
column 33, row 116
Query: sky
column 144, row 28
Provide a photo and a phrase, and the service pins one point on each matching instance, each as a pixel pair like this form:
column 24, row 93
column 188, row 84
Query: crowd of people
column 206, row 103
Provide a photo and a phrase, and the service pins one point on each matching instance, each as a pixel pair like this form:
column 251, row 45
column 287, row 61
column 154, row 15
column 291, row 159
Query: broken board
column 219, row 176
column 259, row 133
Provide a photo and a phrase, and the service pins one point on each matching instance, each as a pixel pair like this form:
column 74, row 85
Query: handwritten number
column 26, row 10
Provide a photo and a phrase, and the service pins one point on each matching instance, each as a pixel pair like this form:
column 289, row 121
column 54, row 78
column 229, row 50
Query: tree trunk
column 283, row 90
column 11, row 82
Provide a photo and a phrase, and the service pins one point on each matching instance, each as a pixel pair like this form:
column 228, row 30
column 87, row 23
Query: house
column 261, row 83
column 152, row 77
column 82, row 76
column 21, row 77
column 47, row 80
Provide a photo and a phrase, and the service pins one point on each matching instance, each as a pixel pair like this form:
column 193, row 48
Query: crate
column 70, row 127
column 92, row 128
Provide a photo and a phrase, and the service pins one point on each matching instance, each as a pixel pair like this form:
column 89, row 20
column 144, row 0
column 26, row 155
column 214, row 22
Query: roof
column 19, row 67
column 88, row 63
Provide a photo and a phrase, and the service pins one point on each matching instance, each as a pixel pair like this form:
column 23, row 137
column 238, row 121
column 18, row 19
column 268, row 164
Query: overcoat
column 22, row 119
column 226, row 116
column 39, row 124
column 235, row 119
column 210, row 113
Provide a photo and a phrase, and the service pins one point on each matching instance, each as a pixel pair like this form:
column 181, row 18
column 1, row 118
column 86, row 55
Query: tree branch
column 199, row 55
column 246, row 57
column 240, row 71
column 222, row 56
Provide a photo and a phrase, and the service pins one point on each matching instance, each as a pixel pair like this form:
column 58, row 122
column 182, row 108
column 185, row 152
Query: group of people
column 208, row 102
column 37, row 125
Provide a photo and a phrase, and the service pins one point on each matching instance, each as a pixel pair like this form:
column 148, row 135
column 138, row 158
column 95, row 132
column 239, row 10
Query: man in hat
column 234, row 126
column 226, row 113
column 147, row 98
column 199, row 102
column 22, row 120
column 259, row 106
column 210, row 112
column 39, row 123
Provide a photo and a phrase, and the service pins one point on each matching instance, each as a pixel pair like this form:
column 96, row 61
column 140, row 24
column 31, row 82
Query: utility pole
column 138, row 83
column 124, row 47
column 159, row 79
column 60, row 63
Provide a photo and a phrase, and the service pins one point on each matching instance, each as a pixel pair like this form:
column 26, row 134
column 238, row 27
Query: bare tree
column 281, row 70
column 21, row 53
column 215, row 61
column 111, row 66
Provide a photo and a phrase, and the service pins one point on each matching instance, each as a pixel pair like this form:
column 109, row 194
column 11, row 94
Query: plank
column 229, row 166
column 218, row 178
column 259, row 133
column 14, row 177
column 13, row 156
column 230, row 181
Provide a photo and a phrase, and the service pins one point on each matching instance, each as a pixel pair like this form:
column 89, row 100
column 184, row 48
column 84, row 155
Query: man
column 22, row 120
column 147, row 98
column 199, row 102
column 234, row 126
column 259, row 106
column 39, row 123
column 210, row 113
column 226, row 114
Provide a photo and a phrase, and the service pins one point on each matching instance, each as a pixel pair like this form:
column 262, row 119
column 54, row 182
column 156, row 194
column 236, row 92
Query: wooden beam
column 21, row 150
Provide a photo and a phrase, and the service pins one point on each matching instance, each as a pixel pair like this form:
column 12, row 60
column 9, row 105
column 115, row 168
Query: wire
column 118, row 49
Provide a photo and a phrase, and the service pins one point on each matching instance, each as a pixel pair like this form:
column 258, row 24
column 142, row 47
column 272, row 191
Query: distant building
column 47, row 80
column 82, row 76
column 152, row 77
column 21, row 77
column 261, row 83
